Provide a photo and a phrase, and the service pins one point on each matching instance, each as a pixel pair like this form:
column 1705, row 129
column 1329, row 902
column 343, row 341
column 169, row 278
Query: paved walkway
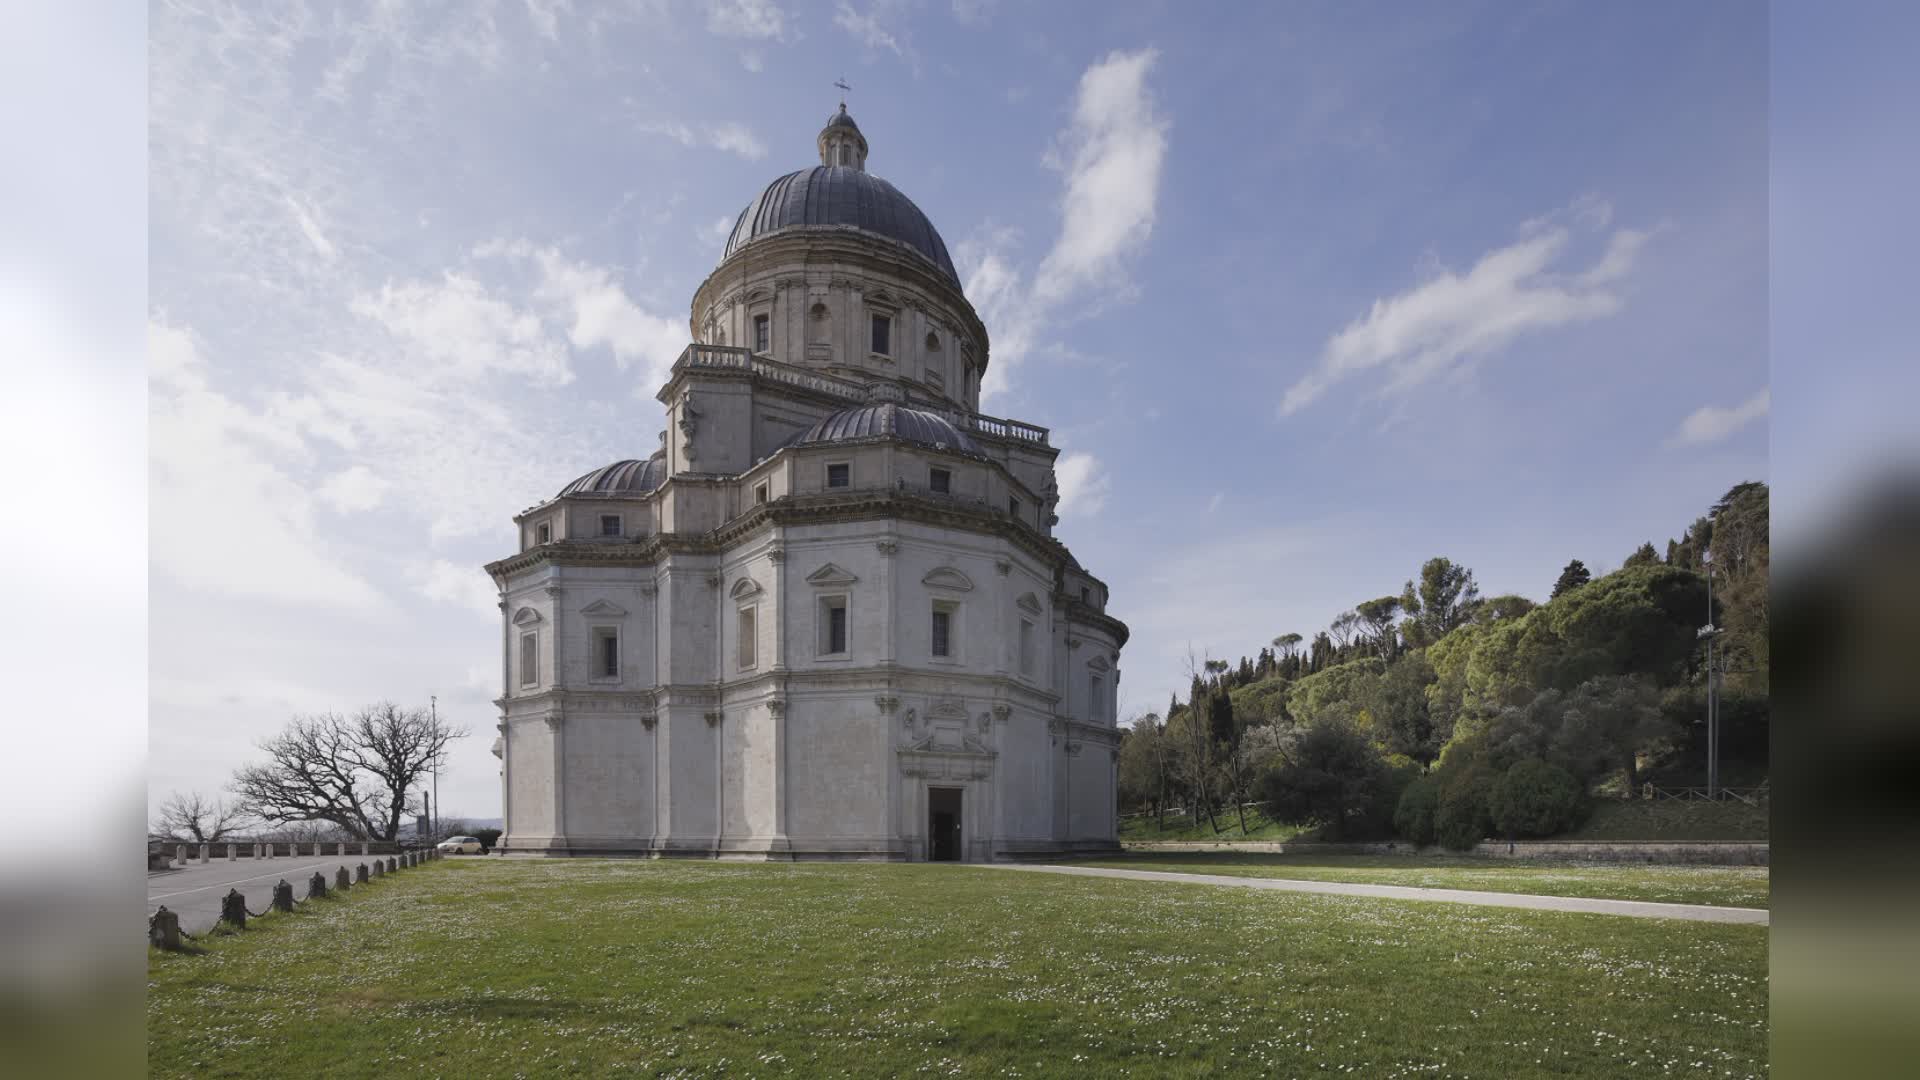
column 194, row 891
column 1640, row 909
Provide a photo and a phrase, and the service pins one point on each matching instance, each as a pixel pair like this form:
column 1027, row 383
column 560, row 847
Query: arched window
column 846, row 156
column 933, row 341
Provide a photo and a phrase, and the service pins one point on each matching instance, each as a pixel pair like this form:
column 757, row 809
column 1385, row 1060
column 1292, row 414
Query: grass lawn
column 592, row 968
column 1723, row 886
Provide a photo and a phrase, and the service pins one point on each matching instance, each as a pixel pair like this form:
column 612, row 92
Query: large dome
column 829, row 195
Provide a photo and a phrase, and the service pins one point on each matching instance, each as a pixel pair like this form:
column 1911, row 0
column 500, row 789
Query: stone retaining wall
column 1722, row 853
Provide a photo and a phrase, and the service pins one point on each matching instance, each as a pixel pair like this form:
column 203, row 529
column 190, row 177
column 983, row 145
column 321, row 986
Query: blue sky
column 1307, row 293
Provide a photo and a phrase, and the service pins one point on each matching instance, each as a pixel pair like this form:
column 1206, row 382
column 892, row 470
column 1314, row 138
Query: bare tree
column 193, row 816
column 354, row 772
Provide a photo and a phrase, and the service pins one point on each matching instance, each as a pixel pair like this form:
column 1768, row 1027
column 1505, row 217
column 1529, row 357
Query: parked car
column 463, row 845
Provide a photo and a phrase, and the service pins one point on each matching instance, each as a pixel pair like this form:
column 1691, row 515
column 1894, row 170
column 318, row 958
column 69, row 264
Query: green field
column 1723, row 886
column 1180, row 827
column 594, row 968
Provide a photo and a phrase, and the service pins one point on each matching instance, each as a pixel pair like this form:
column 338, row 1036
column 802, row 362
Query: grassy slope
column 1669, row 819
column 1259, row 827
column 1724, row 886
column 500, row 968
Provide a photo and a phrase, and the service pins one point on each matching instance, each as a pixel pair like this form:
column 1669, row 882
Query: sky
column 1307, row 294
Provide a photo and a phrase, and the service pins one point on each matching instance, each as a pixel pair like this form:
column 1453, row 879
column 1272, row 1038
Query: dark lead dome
column 889, row 420
column 628, row 477
column 828, row 195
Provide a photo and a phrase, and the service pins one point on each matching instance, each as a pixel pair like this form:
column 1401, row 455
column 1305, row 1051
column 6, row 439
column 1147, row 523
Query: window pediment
column 946, row 577
column 1099, row 663
column 526, row 616
column 744, row 588
column 830, row 574
column 1029, row 603
column 604, row 609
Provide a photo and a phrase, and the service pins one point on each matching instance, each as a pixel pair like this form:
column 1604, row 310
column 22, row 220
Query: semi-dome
column 629, row 477
column 840, row 195
column 839, row 192
column 889, row 420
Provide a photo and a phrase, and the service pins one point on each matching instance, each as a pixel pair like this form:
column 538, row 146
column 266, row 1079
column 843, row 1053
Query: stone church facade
column 827, row 617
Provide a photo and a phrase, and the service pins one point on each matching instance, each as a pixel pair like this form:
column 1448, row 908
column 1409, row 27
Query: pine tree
column 1574, row 576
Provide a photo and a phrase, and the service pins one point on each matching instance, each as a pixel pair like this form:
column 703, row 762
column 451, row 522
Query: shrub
column 1413, row 818
column 1535, row 798
column 1461, row 818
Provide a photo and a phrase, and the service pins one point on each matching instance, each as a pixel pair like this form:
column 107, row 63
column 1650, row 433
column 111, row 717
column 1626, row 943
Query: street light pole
column 1710, row 632
column 433, row 705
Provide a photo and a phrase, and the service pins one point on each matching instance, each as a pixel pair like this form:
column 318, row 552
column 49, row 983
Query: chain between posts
column 163, row 926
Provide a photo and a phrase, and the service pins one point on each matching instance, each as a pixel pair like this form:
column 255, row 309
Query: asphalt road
column 194, row 891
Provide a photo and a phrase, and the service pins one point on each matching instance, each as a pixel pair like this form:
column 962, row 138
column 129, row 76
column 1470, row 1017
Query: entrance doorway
column 943, row 824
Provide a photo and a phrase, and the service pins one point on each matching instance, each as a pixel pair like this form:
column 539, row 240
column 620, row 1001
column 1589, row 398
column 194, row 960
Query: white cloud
column 1711, row 423
column 874, row 27
column 1083, row 484
column 1213, row 503
column 973, row 12
column 761, row 19
column 736, row 139
column 226, row 513
column 460, row 324
column 1114, row 151
column 545, row 16
column 1451, row 319
column 353, row 490
column 1111, row 156
column 753, row 60
column 310, row 228
column 469, row 587
column 598, row 311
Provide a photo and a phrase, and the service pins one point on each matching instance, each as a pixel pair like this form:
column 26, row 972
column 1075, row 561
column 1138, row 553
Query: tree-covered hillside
column 1437, row 713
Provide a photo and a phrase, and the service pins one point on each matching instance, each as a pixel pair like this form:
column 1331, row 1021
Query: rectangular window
column 543, row 534
column 1086, row 596
column 762, row 334
column 610, row 525
column 942, row 632
column 530, row 659
column 1026, row 647
column 747, row 644
column 940, row 480
column 833, row 626
column 837, row 476
column 1093, row 698
column 883, row 335
column 759, row 494
column 1013, row 507
column 606, row 652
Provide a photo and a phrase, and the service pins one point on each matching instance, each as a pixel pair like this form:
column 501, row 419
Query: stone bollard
column 360, row 873
column 413, row 858
column 163, row 929
column 269, row 849
column 316, row 885
column 341, row 881
column 340, row 848
column 283, row 896
column 233, row 909
column 379, row 868
column 316, row 848
column 391, row 865
column 363, row 847
column 180, row 854
column 206, row 854
column 233, row 852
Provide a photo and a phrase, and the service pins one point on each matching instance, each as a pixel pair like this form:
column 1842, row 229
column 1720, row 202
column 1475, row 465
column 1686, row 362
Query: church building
column 827, row 617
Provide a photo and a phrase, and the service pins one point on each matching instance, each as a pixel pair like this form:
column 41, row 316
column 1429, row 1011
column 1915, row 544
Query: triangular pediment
column 744, row 588
column 526, row 616
column 829, row 574
column 1029, row 603
column 604, row 609
column 1099, row 663
column 946, row 577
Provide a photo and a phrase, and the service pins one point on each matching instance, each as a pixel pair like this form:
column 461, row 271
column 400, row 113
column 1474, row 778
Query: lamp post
column 1709, row 632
